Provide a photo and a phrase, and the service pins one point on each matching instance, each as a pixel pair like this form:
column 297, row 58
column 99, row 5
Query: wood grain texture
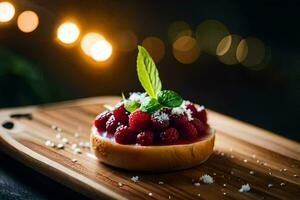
column 240, row 148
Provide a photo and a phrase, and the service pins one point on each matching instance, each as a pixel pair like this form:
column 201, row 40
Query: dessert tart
column 152, row 131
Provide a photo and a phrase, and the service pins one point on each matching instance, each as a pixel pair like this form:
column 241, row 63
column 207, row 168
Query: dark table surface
column 20, row 182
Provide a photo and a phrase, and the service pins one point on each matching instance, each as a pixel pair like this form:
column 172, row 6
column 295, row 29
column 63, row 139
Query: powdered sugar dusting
column 160, row 116
column 189, row 114
column 182, row 110
column 178, row 111
column 206, row 179
column 138, row 97
column 200, row 108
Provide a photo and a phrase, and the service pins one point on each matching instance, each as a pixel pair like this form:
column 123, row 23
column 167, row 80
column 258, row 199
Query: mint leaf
column 131, row 106
column 148, row 73
column 169, row 98
column 150, row 105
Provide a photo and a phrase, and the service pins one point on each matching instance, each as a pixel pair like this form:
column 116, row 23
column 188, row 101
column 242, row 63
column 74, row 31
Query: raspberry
column 167, row 110
column 179, row 120
column 160, row 121
column 121, row 114
column 202, row 116
column 111, row 125
column 139, row 120
column 199, row 125
column 189, row 131
column 192, row 107
column 124, row 135
column 101, row 119
column 145, row 138
column 169, row 136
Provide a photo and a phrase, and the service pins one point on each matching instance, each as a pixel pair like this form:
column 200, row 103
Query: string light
column 89, row 40
column 7, row 11
column 101, row 51
column 28, row 21
column 68, row 32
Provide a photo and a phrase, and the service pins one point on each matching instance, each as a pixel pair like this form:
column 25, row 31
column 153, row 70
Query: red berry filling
column 189, row 131
column 165, row 126
column 202, row 116
column 101, row 119
column 179, row 120
column 169, row 136
column 121, row 114
column 200, row 126
column 111, row 124
column 145, row 138
column 124, row 135
column 139, row 120
column 160, row 121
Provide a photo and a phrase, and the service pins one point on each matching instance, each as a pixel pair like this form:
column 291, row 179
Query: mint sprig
column 169, row 98
column 131, row 106
column 150, row 105
column 148, row 73
column 149, row 78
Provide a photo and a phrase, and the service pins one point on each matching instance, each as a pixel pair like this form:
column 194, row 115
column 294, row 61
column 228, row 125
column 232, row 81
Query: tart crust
column 152, row 158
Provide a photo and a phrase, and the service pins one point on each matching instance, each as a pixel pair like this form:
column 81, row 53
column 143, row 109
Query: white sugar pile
column 135, row 178
column 245, row 188
column 206, row 179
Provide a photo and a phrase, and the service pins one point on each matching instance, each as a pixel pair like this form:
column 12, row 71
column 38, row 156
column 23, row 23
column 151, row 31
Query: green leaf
column 150, row 105
column 131, row 106
column 169, row 98
column 148, row 73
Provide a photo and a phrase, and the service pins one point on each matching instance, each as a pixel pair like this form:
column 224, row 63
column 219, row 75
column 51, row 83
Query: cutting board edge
column 46, row 166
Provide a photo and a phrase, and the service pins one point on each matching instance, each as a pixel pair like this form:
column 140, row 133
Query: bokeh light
column 186, row 50
column 101, row 50
column 125, row 40
column 178, row 29
column 89, row 40
column 7, row 11
column 227, row 48
column 224, row 45
column 28, row 21
column 209, row 34
column 155, row 47
column 68, row 32
column 242, row 51
column 251, row 52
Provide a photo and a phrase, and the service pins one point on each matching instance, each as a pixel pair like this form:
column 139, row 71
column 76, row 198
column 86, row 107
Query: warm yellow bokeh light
column 125, row 40
column 89, row 40
column 227, row 49
column 178, row 29
column 155, row 47
column 186, row 49
column 224, row 45
column 242, row 51
column 7, row 11
column 101, row 50
column 68, row 33
column 209, row 34
column 28, row 21
column 254, row 53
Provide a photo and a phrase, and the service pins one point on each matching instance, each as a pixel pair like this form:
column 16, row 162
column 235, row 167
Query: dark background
column 35, row 69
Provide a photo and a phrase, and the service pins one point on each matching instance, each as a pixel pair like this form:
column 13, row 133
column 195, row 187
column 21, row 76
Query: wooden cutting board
column 243, row 154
